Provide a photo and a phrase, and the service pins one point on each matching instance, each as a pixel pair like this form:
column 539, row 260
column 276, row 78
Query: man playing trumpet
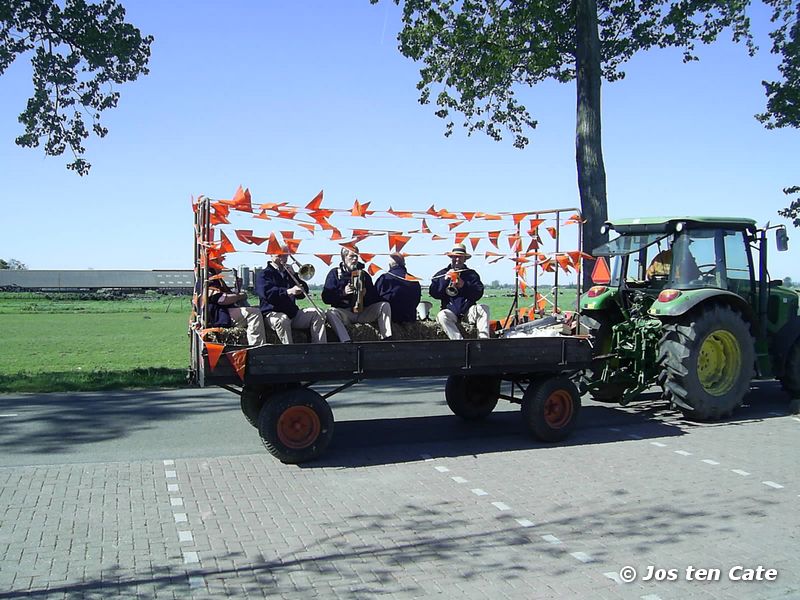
column 279, row 287
column 351, row 293
column 459, row 288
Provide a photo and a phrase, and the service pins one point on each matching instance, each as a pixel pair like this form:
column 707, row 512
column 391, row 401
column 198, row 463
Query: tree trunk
column 588, row 144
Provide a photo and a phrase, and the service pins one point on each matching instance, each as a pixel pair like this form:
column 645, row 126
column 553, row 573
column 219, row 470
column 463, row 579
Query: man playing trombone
column 459, row 288
column 279, row 287
column 351, row 293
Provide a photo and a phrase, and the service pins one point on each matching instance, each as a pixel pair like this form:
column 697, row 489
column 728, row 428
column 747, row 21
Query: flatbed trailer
column 295, row 422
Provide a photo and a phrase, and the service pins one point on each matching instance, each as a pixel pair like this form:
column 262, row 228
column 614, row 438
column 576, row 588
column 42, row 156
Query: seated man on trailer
column 351, row 293
column 279, row 287
column 402, row 295
column 226, row 308
column 459, row 288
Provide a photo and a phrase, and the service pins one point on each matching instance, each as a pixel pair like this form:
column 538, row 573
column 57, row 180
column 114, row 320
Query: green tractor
column 688, row 305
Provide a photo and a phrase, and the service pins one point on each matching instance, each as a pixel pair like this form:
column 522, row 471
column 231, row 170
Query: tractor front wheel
column 707, row 358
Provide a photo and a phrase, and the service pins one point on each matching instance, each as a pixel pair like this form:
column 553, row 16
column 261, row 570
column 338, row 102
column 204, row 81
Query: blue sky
column 288, row 98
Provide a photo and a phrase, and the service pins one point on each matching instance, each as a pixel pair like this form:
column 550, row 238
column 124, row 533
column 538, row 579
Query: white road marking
column 650, row 597
column 180, row 517
column 176, row 501
column 501, row 506
column 683, row 452
column 426, row 457
column 740, row 472
column 525, row 522
column 708, row 461
column 635, row 436
column 581, row 556
column 10, row 415
column 190, row 557
column 442, row 469
column 185, row 536
column 172, row 487
column 479, row 492
column 614, row 576
column 459, row 479
column 170, row 474
column 796, row 419
column 772, row 484
column 196, row 582
column 551, row 539
column 616, row 429
column 169, row 462
column 659, row 444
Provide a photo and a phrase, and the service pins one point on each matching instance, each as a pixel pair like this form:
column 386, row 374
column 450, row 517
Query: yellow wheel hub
column 719, row 363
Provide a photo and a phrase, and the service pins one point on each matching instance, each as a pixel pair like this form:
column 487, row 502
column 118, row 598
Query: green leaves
column 78, row 53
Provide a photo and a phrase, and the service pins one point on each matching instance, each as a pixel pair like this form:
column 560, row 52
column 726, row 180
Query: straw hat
column 459, row 250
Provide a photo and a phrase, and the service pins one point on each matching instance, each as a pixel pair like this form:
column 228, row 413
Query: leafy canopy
column 78, row 54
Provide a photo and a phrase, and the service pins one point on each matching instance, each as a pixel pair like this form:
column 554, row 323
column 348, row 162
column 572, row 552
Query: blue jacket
column 338, row 278
column 218, row 315
column 271, row 286
column 402, row 295
column 467, row 296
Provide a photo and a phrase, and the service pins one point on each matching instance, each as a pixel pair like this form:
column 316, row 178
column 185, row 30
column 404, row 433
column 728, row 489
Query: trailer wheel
column 251, row 402
column 550, row 408
column 472, row 397
column 296, row 425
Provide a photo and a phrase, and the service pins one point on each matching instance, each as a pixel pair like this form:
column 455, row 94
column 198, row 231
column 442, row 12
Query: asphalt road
column 170, row 494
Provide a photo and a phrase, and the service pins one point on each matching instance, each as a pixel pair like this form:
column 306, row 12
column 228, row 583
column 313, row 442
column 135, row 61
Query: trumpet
column 451, row 289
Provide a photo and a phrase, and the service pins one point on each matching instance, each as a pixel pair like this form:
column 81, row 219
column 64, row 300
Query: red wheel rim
column 558, row 409
column 298, row 427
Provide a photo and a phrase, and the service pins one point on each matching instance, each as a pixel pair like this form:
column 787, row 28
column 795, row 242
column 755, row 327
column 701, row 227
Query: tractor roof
column 656, row 224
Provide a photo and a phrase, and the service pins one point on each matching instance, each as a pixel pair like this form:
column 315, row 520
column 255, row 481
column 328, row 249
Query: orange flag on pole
column 239, row 361
column 214, row 351
column 316, row 202
column 461, row 236
column 493, row 237
column 326, row 258
column 373, row 269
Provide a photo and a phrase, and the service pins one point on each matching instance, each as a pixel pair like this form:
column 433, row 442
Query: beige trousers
column 379, row 312
column 478, row 315
column 249, row 317
column 306, row 318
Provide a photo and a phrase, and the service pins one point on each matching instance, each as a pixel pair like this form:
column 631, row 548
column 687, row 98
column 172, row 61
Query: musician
column 401, row 294
column 279, row 288
column 227, row 307
column 351, row 293
column 459, row 288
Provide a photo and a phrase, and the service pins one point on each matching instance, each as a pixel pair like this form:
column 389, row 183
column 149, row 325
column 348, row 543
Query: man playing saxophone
column 351, row 293
column 459, row 288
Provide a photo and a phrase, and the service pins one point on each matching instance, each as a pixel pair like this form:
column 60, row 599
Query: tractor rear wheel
column 601, row 329
column 791, row 377
column 708, row 359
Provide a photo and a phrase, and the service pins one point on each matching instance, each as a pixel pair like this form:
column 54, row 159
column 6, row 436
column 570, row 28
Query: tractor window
column 711, row 258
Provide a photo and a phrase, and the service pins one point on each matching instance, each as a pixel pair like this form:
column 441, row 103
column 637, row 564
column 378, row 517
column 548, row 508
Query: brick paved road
column 169, row 495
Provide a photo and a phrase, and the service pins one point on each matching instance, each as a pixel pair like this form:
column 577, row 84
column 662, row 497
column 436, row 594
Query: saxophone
column 357, row 281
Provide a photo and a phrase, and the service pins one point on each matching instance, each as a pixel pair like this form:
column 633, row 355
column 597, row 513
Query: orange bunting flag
column 219, row 216
column 349, row 245
column 552, row 231
column 494, row 260
column 514, row 242
column 576, row 258
column 360, row 210
column 489, row 217
column 489, row 253
column 548, row 265
column 225, row 245
column 320, row 215
column 468, row 215
column 410, row 277
column 432, row 211
column 367, row 257
column 246, row 236
column 400, row 213
column 574, row 220
column 287, row 235
column 521, row 271
column 461, row 236
column 438, row 238
column 272, row 205
column 214, row 351
column 286, row 213
column 263, row 215
column 241, row 201
column 518, row 217
column 316, row 202
column 424, row 228
column 445, row 214
column 534, row 245
column 541, row 302
column 308, row 226
column 239, row 361
column 493, row 237
column 372, row 269
column 523, row 287
column 326, row 258
column 534, row 226
column 273, row 247
column 292, row 244
column 474, row 240
column 397, row 241
column 454, row 225
column 564, row 262
column 335, row 234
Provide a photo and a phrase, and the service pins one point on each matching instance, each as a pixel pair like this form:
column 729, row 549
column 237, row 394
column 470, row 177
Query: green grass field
column 65, row 343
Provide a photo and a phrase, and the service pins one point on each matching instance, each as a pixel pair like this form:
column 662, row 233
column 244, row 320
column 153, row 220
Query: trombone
column 305, row 273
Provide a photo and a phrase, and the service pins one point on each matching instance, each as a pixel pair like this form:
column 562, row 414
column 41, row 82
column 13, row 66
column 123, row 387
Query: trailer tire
column 296, row 425
column 550, row 408
column 708, row 357
column 251, row 402
column 791, row 371
column 472, row 397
